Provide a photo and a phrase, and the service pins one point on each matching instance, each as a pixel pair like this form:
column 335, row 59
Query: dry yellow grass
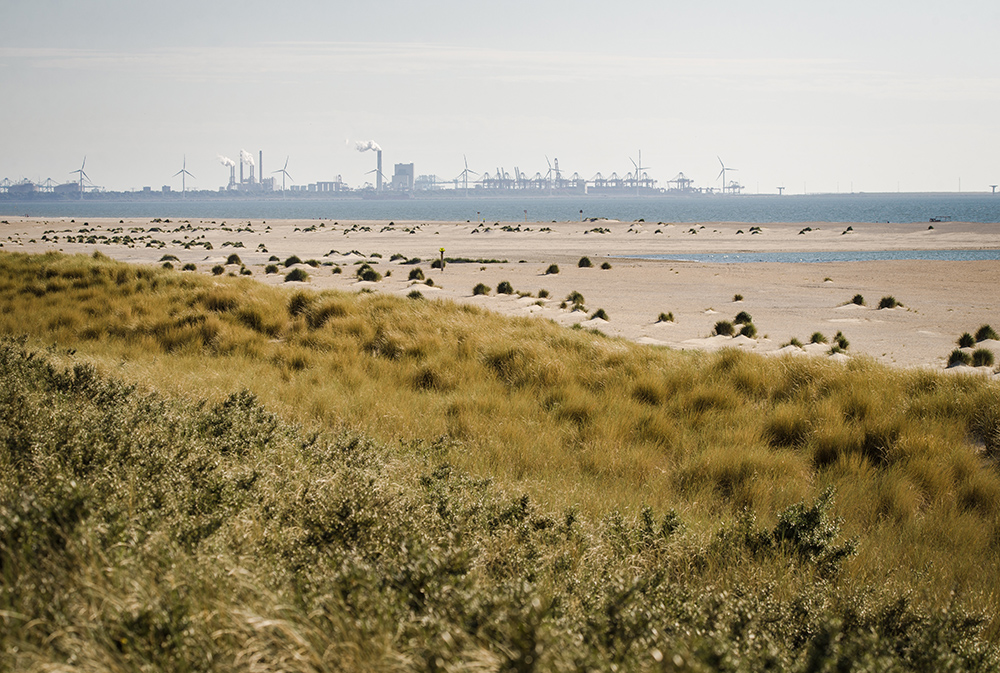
column 572, row 418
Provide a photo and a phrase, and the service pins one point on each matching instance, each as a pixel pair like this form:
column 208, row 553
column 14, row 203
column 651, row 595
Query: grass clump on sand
column 986, row 332
column 365, row 272
column 888, row 302
column 516, row 479
column 748, row 330
column 504, row 287
column 218, row 270
column 858, row 300
column 665, row 317
column 737, row 297
column 233, row 259
column 743, row 318
column 481, row 288
column 724, row 328
column 585, row 263
column 600, row 314
column 982, row 357
column 959, row 357
column 416, row 273
column 966, row 340
column 271, row 268
column 606, row 265
column 292, row 261
column 297, row 275
column 553, row 269
column 817, row 338
column 146, row 532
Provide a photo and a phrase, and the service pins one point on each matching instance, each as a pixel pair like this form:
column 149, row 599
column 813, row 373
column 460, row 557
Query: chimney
column 241, row 171
column 260, row 166
column 251, row 172
column 378, row 173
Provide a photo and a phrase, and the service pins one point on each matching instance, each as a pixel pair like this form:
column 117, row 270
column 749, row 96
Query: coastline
column 940, row 299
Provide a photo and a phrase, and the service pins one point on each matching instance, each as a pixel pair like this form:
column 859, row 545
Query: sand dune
column 940, row 299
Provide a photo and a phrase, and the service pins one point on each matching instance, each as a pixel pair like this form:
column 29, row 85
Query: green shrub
column 724, row 328
column 966, row 340
column 575, row 298
column 986, row 332
column 337, row 270
column 748, row 330
column 312, row 262
column 982, row 357
column 292, row 261
column 415, row 294
column 737, row 297
column 190, row 266
column 606, row 265
column 233, row 259
column 297, row 275
column 841, row 341
column 742, row 318
column 600, row 314
column 480, row 288
column 817, row 338
column 553, row 268
column 245, row 271
column 169, row 258
column 888, row 302
column 300, row 303
column 858, row 300
column 795, row 342
column 416, row 273
column 367, row 273
column 959, row 357
column 168, row 265
column 438, row 264
column 504, row 287
column 666, row 317
column 543, row 294
column 273, row 258
column 271, row 268
column 584, row 263
column 218, row 270
column 429, row 282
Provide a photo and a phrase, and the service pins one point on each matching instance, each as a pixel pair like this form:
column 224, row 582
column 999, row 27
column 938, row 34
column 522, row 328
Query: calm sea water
column 839, row 256
column 755, row 209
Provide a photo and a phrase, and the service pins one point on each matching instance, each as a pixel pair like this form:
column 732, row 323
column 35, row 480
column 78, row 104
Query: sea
column 758, row 209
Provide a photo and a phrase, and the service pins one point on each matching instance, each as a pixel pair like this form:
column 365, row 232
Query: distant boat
column 941, row 218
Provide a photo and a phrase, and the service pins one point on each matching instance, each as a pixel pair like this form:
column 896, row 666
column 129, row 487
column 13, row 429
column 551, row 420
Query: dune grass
column 575, row 422
column 141, row 532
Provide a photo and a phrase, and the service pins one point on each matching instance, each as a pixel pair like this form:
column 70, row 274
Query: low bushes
column 297, row 275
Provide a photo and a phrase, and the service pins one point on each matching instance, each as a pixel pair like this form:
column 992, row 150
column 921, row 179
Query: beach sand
column 940, row 299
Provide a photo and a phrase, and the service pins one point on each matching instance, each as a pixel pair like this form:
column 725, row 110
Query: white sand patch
column 788, row 300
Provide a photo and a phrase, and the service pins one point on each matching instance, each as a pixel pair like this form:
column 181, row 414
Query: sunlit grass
column 573, row 420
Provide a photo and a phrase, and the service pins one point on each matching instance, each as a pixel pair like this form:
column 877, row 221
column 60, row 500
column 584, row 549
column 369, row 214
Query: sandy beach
column 940, row 299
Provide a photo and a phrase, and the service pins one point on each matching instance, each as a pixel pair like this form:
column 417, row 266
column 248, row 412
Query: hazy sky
column 881, row 94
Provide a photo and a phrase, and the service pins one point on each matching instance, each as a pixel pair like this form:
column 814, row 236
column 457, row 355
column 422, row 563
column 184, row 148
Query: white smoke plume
column 367, row 145
column 246, row 158
column 226, row 161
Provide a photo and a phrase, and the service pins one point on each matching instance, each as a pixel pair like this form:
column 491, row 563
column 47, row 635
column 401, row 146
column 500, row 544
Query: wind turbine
column 82, row 173
column 639, row 168
column 284, row 174
column 465, row 175
column 183, row 172
column 722, row 173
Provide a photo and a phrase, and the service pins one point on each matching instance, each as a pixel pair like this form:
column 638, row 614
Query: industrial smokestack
column 231, row 165
column 378, row 174
column 260, row 166
column 367, row 145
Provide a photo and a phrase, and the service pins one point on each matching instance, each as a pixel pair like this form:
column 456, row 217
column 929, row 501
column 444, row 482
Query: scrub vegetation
column 208, row 473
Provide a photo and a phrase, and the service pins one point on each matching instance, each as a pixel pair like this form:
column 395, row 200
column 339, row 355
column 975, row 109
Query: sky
column 881, row 95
